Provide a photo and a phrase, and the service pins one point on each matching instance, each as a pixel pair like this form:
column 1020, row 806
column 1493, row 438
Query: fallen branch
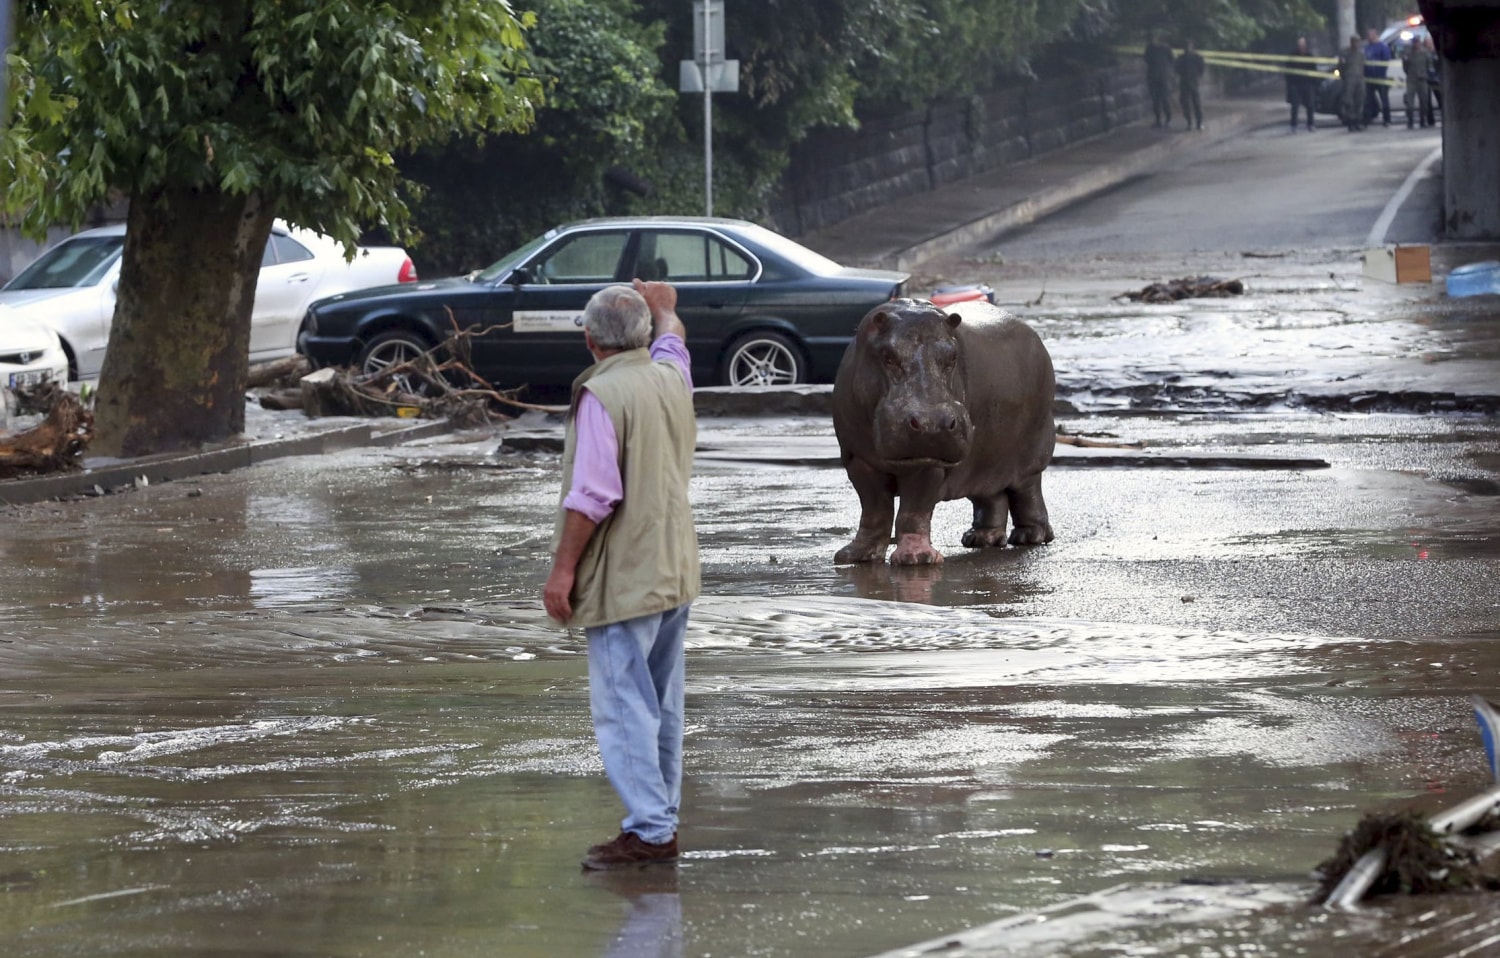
column 56, row 444
column 431, row 385
column 1082, row 442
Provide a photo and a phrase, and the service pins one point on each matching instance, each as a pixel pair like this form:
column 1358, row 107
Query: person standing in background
column 1418, row 64
column 1377, row 91
column 1301, row 90
column 1352, row 74
column 1189, row 68
column 1158, row 58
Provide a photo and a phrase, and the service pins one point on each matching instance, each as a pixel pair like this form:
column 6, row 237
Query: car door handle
column 299, row 277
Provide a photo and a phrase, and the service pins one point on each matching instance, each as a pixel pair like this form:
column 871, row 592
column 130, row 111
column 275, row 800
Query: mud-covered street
column 313, row 707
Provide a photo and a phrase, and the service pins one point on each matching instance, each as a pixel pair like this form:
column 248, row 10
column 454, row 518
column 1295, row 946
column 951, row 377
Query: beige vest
column 643, row 558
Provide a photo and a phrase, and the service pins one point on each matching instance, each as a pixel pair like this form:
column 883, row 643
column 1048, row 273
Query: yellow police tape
column 1269, row 63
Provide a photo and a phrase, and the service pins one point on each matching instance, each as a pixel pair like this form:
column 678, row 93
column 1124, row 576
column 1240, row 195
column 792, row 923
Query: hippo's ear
column 878, row 320
column 953, row 320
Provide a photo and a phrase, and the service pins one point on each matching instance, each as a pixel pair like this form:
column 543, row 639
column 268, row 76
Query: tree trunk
column 174, row 374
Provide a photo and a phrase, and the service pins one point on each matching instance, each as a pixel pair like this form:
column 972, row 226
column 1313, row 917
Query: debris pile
column 56, row 444
column 1192, row 287
column 437, row 384
column 1409, row 853
column 1418, row 861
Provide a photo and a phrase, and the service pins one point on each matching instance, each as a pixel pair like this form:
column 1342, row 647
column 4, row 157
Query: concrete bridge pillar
column 1471, row 149
column 1467, row 35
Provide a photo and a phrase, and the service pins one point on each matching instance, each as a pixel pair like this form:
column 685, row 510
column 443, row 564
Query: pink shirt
column 597, row 485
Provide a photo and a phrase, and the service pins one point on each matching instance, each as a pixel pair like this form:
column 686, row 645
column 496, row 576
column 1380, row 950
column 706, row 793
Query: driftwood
column 1083, row 442
column 1192, row 287
column 278, row 372
column 56, row 444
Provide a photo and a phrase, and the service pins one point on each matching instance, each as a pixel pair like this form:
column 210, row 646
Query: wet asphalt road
column 313, row 707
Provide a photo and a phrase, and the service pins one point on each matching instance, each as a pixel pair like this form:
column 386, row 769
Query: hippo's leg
column 989, row 521
column 920, row 492
column 1028, row 513
column 877, row 508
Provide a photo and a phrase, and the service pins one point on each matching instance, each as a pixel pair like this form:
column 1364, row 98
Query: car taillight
column 408, row 272
column 898, row 291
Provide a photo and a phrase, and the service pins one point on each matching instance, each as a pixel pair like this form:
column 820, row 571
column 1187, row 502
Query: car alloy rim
column 762, row 362
column 394, row 354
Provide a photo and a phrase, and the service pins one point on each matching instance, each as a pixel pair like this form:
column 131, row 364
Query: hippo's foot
column 1031, row 535
column 984, row 538
column 914, row 548
column 859, row 551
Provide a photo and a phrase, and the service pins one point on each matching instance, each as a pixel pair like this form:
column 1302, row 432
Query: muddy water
column 313, row 708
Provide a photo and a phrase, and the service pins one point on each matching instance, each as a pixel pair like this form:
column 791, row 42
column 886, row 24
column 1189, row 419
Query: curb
column 115, row 475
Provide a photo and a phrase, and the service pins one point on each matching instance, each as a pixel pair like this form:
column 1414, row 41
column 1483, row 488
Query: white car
column 30, row 355
column 71, row 288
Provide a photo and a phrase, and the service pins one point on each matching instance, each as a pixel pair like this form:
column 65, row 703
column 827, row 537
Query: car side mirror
column 520, row 276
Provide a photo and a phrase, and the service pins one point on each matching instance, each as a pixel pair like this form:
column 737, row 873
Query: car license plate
column 34, row 377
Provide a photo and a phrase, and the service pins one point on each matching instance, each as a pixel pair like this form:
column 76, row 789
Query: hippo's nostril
column 950, row 423
column 916, row 423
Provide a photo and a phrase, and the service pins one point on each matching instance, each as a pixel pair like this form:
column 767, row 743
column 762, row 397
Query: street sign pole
column 709, row 72
column 708, row 109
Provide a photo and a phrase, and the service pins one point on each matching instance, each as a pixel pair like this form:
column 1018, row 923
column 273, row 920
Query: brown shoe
column 629, row 850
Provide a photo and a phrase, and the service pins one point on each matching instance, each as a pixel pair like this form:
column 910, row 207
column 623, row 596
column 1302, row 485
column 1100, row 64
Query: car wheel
column 764, row 358
column 392, row 348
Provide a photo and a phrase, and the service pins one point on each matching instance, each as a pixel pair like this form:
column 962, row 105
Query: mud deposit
column 313, row 708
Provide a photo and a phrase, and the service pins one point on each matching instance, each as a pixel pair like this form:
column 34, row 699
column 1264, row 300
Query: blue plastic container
column 1474, row 279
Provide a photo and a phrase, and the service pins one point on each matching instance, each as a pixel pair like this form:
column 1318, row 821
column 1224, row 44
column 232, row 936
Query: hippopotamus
column 935, row 404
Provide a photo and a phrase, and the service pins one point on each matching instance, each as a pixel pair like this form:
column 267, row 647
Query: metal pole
column 708, row 111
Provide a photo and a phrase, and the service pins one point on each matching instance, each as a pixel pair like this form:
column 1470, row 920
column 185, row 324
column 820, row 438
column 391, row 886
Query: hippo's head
column 912, row 350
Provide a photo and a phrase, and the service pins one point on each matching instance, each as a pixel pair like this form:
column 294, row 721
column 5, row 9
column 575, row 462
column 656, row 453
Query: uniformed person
column 1352, row 72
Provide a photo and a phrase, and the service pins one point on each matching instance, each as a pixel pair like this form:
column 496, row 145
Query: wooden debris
column 278, row 372
column 439, row 384
column 1084, row 442
column 1192, row 287
column 56, row 444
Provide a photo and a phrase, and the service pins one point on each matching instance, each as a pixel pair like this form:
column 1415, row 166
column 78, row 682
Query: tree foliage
column 304, row 102
column 607, row 108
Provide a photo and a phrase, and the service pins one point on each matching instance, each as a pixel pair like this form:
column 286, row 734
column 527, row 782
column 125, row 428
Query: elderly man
column 625, row 555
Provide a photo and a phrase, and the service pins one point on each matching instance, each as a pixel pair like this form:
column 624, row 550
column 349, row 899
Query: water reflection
column 653, row 922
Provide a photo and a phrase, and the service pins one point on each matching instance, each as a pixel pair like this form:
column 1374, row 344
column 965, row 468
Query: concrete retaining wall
column 837, row 174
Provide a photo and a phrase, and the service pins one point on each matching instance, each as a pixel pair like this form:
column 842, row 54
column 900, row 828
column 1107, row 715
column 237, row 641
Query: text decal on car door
column 547, row 321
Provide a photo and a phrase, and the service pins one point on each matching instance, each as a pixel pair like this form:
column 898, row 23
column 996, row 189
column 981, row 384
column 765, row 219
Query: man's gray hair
column 617, row 317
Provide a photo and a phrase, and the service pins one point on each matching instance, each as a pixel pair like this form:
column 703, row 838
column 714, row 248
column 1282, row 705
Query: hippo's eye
column 892, row 361
column 945, row 354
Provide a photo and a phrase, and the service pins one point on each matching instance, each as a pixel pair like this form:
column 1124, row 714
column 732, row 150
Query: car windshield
column 81, row 261
column 509, row 262
column 792, row 252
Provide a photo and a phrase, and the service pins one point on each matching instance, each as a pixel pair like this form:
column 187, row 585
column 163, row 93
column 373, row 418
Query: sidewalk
column 904, row 234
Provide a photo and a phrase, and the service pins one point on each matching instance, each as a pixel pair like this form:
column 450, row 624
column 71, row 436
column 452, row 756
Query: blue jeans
column 635, row 695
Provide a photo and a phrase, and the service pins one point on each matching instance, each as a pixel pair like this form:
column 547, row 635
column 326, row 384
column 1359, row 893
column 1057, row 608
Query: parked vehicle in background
column 759, row 309
column 31, row 355
column 71, row 288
